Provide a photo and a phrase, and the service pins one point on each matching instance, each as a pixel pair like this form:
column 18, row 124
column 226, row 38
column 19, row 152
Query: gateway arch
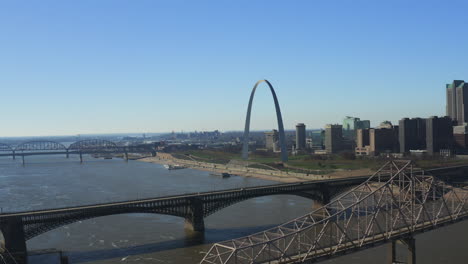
column 282, row 138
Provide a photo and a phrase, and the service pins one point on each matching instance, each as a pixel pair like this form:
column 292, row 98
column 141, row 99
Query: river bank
column 273, row 175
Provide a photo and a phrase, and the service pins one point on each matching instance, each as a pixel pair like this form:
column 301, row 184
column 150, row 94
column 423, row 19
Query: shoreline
column 272, row 175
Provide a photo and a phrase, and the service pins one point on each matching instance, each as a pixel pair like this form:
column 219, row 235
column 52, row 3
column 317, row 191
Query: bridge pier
column 126, row 156
column 194, row 221
column 14, row 155
column 15, row 242
column 23, row 159
column 68, row 154
column 81, row 157
column 410, row 242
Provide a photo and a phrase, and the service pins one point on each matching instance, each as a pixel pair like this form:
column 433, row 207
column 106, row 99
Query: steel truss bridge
column 90, row 146
column 18, row 227
column 380, row 210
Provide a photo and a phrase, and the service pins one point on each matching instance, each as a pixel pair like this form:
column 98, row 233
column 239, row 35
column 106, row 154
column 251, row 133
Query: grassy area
column 442, row 162
column 212, row 156
column 302, row 163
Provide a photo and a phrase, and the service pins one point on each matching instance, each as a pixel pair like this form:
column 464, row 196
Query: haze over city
column 151, row 66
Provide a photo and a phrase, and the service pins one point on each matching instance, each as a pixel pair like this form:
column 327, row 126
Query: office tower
column 378, row 140
column 382, row 140
column 333, row 138
column 271, row 140
column 351, row 124
column 412, row 134
column 362, row 137
column 457, row 101
column 439, row 134
column 300, row 136
column 460, row 138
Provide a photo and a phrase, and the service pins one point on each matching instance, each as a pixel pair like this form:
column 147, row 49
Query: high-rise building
column 300, row 136
column 362, row 142
column 333, row 138
column 378, row 140
column 352, row 124
column 457, row 101
column 439, row 134
column 412, row 134
column 460, row 138
column 362, row 138
column 271, row 140
column 383, row 140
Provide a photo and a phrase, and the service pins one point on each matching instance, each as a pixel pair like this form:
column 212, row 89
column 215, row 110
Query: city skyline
column 95, row 68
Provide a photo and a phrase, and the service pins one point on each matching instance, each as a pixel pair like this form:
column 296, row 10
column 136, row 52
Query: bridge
column 89, row 146
column 381, row 210
column 18, row 227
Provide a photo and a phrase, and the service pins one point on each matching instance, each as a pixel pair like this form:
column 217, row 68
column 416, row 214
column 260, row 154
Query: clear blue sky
column 77, row 67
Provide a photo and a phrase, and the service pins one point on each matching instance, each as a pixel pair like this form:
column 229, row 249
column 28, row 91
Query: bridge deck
column 171, row 197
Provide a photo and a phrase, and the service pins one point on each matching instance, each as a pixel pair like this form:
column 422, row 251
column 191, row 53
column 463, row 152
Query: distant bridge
column 89, row 146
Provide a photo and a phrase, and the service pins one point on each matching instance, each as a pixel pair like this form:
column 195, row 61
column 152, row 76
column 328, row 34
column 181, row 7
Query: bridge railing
column 377, row 210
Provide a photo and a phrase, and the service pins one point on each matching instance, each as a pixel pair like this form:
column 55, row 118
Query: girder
column 375, row 211
column 93, row 144
column 5, row 147
column 38, row 222
column 40, row 146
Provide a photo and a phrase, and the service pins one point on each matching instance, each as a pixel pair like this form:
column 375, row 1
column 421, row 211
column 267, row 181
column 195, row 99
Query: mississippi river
column 54, row 181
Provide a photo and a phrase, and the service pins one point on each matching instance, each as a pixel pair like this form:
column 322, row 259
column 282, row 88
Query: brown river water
column 54, row 181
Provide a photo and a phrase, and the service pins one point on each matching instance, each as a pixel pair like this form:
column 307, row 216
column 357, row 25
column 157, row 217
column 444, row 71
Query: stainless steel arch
column 282, row 138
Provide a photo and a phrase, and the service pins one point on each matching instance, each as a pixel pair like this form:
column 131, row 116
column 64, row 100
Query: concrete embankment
column 274, row 175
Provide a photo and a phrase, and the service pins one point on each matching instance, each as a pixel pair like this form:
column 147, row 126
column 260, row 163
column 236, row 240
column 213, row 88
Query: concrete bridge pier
column 23, row 159
column 194, row 221
column 14, row 155
column 15, row 242
column 410, row 242
column 126, row 156
column 68, row 154
column 81, row 157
